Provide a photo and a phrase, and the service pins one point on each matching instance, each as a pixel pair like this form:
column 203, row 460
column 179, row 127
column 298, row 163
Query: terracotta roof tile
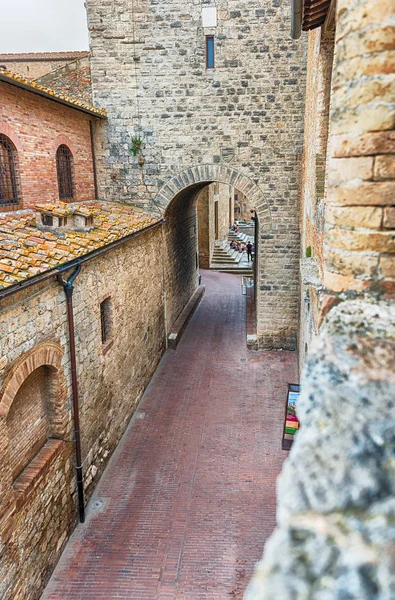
column 27, row 251
column 29, row 56
column 34, row 87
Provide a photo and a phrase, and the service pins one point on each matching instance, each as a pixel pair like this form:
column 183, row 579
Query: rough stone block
column 384, row 167
column 365, row 193
column 356, row 144
column 387, row 265
column 354, row 216
column 344, row 169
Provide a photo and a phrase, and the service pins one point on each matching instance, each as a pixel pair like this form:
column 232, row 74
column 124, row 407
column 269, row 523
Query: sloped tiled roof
column 33, row 56
column 26, row 251
column 37, row 88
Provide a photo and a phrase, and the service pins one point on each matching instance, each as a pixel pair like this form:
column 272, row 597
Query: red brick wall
column 27, row 420
column 37, row 126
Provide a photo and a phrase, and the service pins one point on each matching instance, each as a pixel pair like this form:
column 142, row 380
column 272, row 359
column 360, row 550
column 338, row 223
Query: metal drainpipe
column 68, row 290
column 296, row 18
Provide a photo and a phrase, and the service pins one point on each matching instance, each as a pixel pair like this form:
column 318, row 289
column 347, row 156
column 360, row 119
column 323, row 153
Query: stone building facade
column 335, row 531
column 132, row 285
column 239, row 123
column 215, row 216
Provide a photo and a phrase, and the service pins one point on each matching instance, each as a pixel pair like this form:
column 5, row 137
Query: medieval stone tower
column 214, row 91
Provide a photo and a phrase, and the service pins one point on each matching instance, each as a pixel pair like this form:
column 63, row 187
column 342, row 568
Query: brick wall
column 246, row 113
column 37, row 126
column 27, row 421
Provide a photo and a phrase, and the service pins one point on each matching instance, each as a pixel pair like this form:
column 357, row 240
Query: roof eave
column 39, row 92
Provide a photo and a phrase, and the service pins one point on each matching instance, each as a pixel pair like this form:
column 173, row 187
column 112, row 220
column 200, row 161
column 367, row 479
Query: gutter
column 12, row 289
column 296, row 18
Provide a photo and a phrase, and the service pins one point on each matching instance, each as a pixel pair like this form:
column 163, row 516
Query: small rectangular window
column 105, row 319
column 47, row 220
column 209, row 52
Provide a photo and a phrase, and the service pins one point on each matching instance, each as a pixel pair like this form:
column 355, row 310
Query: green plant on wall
column 308, row 252
column 137, row 143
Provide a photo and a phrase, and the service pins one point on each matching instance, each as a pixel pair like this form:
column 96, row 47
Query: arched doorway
column 177, row 201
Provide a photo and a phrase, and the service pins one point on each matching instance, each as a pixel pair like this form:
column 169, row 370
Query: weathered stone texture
column 313, row 201
column 335, row 532
column 223, row 195
column 335, row 536
column 148, row 71
column 37, row 510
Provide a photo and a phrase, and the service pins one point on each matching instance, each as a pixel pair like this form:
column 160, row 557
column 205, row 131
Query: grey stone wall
column 149, row 72
column 335, row 535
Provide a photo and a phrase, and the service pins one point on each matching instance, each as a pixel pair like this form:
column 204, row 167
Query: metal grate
column 8, row 173
column 64, row 165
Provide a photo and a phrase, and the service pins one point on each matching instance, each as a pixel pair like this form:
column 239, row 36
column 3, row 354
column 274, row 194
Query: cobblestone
column 188, row 499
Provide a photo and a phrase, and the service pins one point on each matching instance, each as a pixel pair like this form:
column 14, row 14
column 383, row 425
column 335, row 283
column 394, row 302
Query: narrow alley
column 188, row 499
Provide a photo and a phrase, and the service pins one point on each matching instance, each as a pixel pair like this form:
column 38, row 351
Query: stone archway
column 223, row 174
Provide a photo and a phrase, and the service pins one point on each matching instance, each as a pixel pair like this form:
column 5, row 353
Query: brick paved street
column 187, row 502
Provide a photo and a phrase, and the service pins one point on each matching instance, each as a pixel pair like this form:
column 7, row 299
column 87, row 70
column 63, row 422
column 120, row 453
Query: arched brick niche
column 33, row 421
column 207, row 174
column 48, row 355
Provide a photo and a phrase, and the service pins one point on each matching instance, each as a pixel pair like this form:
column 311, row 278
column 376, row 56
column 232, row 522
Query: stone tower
column 237, row 120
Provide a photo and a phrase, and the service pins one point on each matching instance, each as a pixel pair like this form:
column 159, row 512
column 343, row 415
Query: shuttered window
column 64, row 165
column 8, row 172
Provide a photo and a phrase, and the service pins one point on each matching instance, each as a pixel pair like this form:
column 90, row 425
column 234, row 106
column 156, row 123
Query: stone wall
column 335, row 520
column 313, row 201
column 223, row 194
column 40, row 504
column 181, row 259
column 37, row 126
column 149, row 71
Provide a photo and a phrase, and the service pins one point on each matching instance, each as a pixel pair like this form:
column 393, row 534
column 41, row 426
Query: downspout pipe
column 68, row 286
column 296, row 18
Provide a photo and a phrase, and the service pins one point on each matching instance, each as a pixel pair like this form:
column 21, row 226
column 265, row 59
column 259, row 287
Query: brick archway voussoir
column 47, row 354
column 212, row 172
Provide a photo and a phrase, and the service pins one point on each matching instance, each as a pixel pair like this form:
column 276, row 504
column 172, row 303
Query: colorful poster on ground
column 291, row 422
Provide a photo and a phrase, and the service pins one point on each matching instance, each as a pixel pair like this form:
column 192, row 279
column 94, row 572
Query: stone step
column 233, row 270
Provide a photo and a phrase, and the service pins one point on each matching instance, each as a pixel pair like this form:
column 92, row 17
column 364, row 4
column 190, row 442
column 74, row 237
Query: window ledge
column 36, row 469
column 10, row 207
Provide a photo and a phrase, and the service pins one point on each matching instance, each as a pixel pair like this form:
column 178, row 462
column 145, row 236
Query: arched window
column 64, row 166
column 8, row 172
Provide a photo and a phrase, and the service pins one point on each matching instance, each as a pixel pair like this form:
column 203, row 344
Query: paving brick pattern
column 188, row 500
